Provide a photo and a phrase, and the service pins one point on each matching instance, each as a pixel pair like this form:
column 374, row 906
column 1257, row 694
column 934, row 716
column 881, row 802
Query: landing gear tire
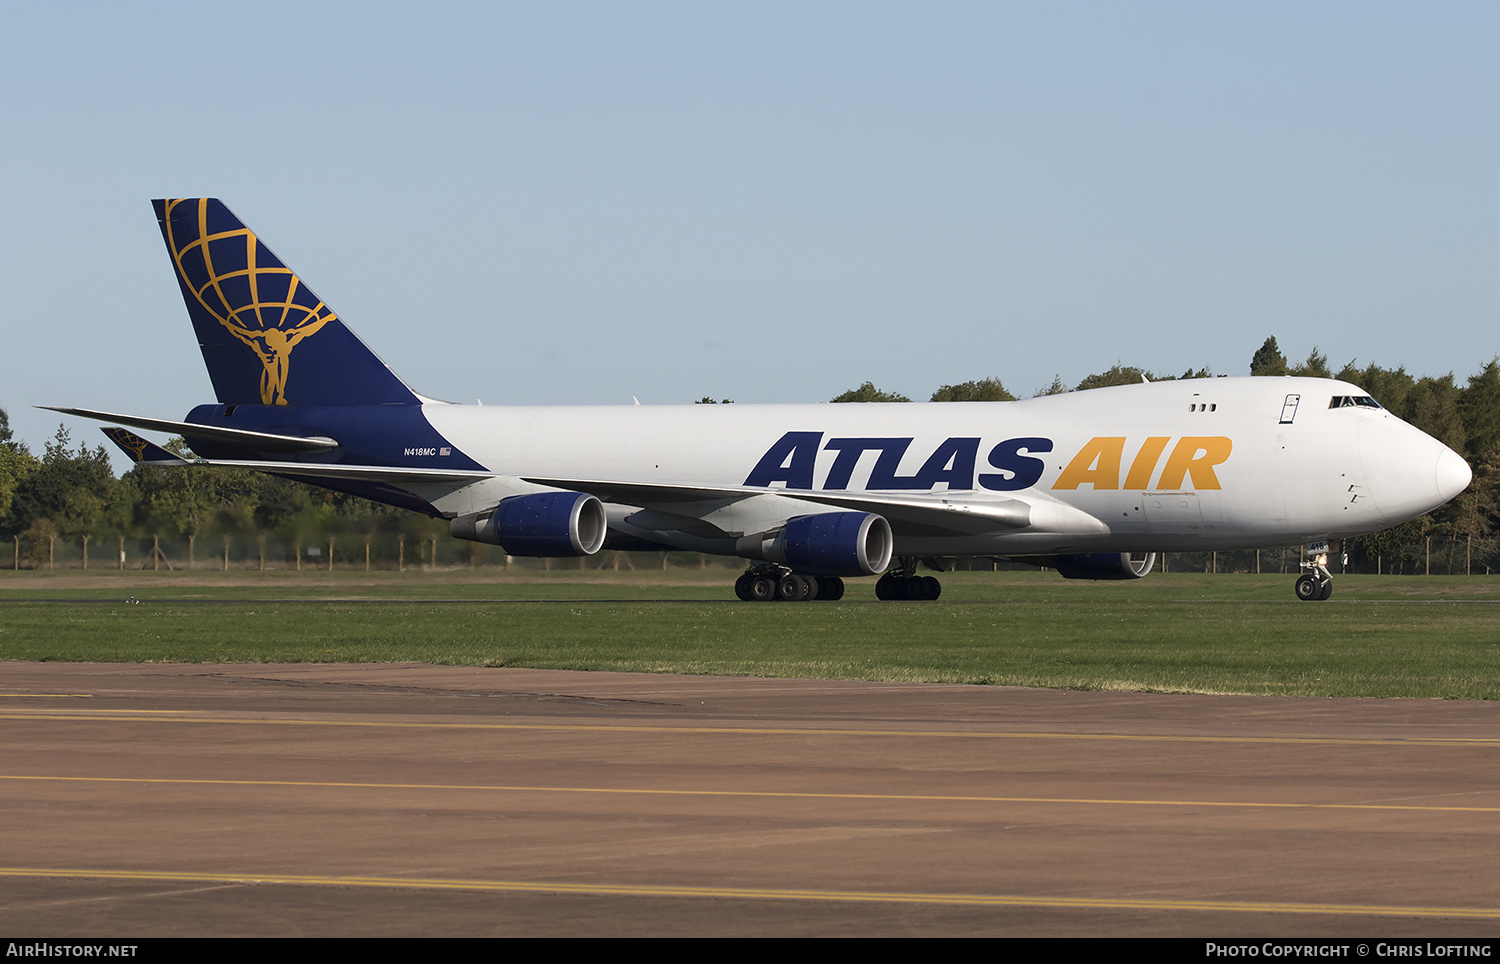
column 1316, row 582
column 796, row 588
column 1313, row 587
column 905, row 587
column 776, row 584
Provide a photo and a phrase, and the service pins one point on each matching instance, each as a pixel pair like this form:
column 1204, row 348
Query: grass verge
column 1378, row 636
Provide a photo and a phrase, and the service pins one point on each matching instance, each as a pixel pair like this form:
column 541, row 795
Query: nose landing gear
column 1314, row 587
column 1316, row 584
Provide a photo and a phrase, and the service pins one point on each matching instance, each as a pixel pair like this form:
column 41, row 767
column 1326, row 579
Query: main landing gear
column 770, row 583
column 779, row 584
column 901, row 583
column 1316, row 584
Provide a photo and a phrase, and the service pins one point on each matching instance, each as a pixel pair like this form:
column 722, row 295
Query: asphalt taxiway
column 407, row 799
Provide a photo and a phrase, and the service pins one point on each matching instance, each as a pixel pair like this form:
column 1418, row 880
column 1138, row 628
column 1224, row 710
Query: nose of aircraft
column 1409, row 472
column 1453, row 473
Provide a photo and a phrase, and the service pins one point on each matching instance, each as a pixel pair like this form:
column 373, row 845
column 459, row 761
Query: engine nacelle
column 1102, row 565
column 835, row 544
column 544, row 524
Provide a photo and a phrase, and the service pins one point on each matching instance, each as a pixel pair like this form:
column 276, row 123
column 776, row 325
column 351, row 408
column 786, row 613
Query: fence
column 377, row 552
column 386, row 552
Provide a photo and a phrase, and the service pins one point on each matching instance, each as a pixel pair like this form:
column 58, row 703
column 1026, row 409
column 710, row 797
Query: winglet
column 140, row 451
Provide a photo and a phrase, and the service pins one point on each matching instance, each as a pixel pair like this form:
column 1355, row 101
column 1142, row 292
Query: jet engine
column 835, row 544
column 1098, row 565
column 544, row 524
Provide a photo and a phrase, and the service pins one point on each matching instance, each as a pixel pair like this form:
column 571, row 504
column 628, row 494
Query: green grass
column 1378, row 636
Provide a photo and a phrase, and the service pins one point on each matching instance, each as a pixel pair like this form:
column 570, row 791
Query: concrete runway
column 405, row 799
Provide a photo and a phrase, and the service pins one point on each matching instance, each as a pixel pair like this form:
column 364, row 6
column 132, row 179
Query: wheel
column 742, row 587
column 830, row 588
column 1308, row 588
column 923, row 588
column 762, row 589
column 889, row 587
column 1325, row 589
column 793, row 588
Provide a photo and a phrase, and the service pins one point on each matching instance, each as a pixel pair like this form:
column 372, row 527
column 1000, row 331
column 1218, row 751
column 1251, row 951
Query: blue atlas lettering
column 793, row 461
column 790, row 460
column 952, row 463
column 883, row 476
column 1024, row 470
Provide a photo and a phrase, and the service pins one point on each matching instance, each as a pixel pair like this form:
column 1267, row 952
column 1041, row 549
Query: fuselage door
column 1289, row 409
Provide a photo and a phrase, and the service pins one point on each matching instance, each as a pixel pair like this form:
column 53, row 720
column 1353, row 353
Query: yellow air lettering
column 1096, row 464
column 1139, row 476
column 1195, row 456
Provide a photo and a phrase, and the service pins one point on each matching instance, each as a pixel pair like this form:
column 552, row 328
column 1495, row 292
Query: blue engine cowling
column 837, row 544
column 545, row 524
column 1101, row 565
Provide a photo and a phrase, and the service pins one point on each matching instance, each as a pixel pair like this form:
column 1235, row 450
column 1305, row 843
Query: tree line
column 67, row 502
column 68, row 499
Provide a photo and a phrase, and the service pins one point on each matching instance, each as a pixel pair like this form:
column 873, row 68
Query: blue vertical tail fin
column 266, row 338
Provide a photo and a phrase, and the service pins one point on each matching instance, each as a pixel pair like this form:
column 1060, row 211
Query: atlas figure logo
column 792, row 460
column 247, row 289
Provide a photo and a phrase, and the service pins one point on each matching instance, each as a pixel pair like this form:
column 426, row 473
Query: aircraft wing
column 907, row 514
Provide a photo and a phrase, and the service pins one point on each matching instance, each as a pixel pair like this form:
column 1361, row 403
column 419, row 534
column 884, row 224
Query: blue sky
column 770, row 202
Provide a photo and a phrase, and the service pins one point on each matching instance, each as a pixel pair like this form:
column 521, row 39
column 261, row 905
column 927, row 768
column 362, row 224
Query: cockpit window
column 1352, row 401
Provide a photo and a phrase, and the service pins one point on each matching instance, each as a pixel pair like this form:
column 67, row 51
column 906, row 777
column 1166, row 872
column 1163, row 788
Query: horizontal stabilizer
column 357, row 473
column 140, row 451
column 259, row 441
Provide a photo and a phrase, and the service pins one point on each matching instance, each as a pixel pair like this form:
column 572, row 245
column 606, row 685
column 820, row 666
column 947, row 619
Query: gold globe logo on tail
column 129, row 441
column 253, row 295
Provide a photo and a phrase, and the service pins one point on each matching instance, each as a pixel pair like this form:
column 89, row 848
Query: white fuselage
column 1194, row 464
